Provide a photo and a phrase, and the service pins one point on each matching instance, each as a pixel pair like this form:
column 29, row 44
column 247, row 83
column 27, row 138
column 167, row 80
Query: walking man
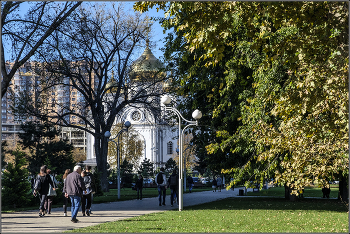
column 73, row 188
column 161, row 184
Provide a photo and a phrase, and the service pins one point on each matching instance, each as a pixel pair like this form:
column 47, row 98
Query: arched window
column 170, row 147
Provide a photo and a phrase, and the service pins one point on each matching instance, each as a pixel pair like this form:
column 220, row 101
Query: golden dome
column 146, row 65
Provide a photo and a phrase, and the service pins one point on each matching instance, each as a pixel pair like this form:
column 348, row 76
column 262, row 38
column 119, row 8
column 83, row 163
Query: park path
column 30, row 222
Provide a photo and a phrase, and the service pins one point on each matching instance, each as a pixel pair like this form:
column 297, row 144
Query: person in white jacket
column 161, row 184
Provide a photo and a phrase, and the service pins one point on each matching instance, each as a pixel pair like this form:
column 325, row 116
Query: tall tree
column 289, row 64
column 91, row 52
column 26, row 33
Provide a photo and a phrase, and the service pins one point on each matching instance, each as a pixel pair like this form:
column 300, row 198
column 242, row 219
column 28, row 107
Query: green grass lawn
column 308, row 192
column 240, row 214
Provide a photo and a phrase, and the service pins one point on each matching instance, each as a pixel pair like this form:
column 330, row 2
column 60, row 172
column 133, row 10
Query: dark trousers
column 65, row 203
column 86, row 202
column 174, row 194
column 48, row 203
column 161, row 192
column 42, row 201
column 139, row 192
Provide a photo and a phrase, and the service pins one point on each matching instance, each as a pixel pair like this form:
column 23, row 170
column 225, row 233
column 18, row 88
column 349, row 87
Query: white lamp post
column 127, row 124
column 196, row 115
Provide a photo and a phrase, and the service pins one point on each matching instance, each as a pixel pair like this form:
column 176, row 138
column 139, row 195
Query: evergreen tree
column 126, row 173
column 146, row 169
column 15, row 184
column 170, row 165
column 45, row 147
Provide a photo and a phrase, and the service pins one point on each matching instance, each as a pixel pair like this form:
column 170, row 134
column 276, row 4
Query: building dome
column 146, row 66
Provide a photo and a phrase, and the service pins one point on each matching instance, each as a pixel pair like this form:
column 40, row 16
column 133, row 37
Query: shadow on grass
column 262, row 203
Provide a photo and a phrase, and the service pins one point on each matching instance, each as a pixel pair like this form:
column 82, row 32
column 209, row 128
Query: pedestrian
column 86, row 198
column 73, row 188
column 41, row 187
column 93, row 184
column 214, row 185
column 139, row 187
column 190, row 183
column 173, row 183
column 219, row 183
column 65, row 199
column 51, row 194
column 161, row 185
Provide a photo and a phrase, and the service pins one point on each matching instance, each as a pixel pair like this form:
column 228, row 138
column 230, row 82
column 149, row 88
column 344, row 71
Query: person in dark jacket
column 190, row 183
column 86, row 199
column 173, row 183
column 139, row 187
column 45, row 182
column 65, row 199
column 73, row 188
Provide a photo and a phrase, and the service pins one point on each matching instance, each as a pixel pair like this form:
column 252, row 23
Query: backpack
column 173, row 179
column 160, row 178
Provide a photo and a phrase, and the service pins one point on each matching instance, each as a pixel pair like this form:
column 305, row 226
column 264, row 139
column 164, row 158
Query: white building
column 159, row 141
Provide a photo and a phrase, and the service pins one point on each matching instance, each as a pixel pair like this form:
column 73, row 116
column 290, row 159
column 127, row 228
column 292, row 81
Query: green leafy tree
column 283, row 107
column 16, row 189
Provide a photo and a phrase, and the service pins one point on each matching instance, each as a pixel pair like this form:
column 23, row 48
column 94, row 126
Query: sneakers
column 87, row 213
column 40, row 215
column 64, row 214
column 83, row 214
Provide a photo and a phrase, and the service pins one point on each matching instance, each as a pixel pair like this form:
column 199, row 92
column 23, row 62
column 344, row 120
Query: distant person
column 73, row 188
column 173, row 183
column 51, row 194
column 93, row 184
column 65, row 199
column 86, row 198
column 161, row 185
column 219, row 183
column 139, row 187
column 41, row 187
column 214, row 184
column 190, row 183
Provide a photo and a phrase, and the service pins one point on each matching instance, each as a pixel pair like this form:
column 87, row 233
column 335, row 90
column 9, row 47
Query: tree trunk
column 101, row 149
column 287, row 195
column 343, row 194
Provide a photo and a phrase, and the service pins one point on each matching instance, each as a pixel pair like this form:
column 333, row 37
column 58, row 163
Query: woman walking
column 45, row 182
column 65, row 199
column 51, row 194
column 86, row 199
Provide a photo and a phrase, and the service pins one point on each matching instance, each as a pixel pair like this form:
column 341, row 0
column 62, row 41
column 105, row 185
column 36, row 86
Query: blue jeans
column 190, row 185
column 161, row 191
column 75, row 201
column 174, row 195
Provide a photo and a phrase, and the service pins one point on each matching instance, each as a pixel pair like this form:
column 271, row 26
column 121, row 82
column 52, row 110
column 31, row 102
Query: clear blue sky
column 157, row 36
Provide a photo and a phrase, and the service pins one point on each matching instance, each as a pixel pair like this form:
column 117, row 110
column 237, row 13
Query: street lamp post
column 127, row 124
column 196, row 115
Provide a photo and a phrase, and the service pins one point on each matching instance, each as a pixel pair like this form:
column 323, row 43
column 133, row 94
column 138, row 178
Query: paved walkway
column 30, row 222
